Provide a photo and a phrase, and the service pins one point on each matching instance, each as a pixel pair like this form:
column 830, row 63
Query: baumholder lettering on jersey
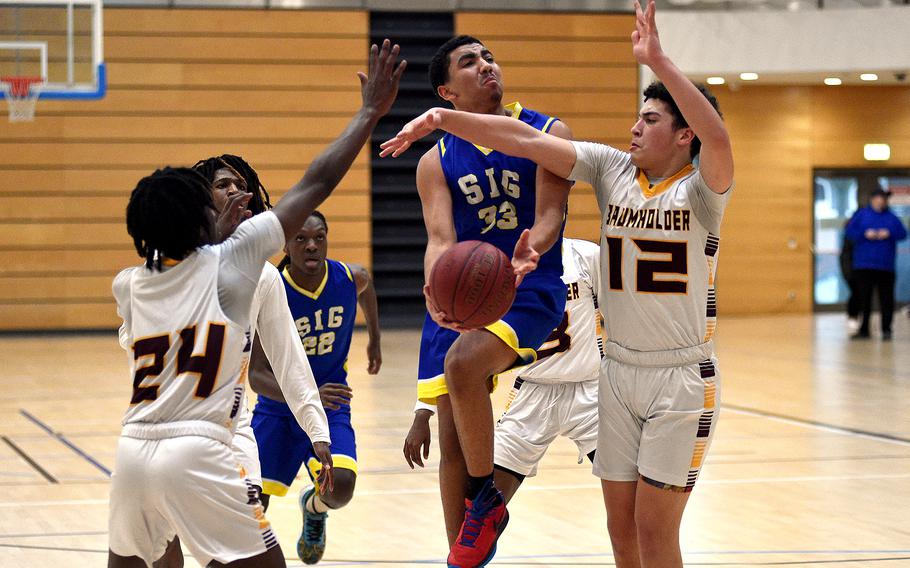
column 662, row 219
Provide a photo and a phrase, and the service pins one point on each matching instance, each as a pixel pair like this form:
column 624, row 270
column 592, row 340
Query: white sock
column 315, row 505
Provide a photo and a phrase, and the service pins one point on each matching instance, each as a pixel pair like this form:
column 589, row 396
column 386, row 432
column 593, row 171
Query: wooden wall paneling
column 60, row 179
column 276, row 93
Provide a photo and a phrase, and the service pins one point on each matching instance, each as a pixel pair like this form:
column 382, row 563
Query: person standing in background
column 874, row 231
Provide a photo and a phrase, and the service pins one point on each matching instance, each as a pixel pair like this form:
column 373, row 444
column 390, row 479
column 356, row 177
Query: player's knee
column 343, row 490
column 655, row 531
column 622, row 527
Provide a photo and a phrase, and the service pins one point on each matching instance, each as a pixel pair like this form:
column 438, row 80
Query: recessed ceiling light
column 748, row 76
column 868, row 77
column 833, row 81
column 716, row 80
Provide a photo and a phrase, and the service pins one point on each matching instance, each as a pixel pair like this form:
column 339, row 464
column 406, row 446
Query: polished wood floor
column 810, row 465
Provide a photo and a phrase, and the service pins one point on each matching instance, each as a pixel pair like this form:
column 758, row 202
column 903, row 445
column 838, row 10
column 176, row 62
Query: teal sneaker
column 311, row 544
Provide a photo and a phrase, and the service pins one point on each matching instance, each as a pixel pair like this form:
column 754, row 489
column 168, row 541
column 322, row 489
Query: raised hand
column 380, row 86
column 326, row 479
column 234, row 213
column 412, row 132
column 524, row 257
column 645, row 41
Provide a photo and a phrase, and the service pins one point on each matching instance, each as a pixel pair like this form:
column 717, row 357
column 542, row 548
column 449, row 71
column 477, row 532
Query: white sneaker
column 852, row 325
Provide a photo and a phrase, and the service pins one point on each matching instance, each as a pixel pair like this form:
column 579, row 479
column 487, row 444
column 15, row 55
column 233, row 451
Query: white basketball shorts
column 189, row 486
column 656, row 421
column 537, row 415
column 245, row 448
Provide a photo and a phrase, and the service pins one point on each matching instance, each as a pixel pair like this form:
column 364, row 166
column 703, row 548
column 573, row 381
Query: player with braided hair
column 168, row 215
column 217, row 168
column 187, row 328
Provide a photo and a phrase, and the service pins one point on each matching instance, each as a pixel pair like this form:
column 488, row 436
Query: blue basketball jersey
column 325, row 320
column 494, row 195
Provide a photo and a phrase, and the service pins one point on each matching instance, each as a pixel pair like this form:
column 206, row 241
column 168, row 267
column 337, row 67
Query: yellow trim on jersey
column 442, row 148
column 428, row 390
column 339, row 461
column 698, row 454
column 275, row 488
column 312, row 295
column 650, row 191
column 504, row 331
column 550, row 121
column 346, row 269
column 514, row 108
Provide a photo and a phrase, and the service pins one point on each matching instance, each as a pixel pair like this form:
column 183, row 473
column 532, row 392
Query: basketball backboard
column 60, row 41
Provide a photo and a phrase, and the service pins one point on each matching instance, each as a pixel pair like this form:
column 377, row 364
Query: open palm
column 645, row 41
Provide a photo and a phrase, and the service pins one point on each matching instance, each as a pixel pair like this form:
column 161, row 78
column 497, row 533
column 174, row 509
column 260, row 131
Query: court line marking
column 877, row 436
column 28, row 459
column 578, row 486
column 516, row 560
column 62, row 439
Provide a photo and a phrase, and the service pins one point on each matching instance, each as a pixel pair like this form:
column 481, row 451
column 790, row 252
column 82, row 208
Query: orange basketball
column 473, row 283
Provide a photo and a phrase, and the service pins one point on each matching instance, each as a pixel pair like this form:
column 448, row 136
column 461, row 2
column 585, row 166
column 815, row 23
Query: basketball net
column 21, row 96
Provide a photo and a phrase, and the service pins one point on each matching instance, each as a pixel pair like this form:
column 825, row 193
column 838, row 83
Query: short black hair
column 658, row 91
column 260, row 201
column 439, row 65
column 170, row 214
column 318, row 214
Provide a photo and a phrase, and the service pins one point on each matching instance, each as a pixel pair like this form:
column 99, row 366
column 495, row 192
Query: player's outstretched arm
column 366, row 297
column 379, row 89
column 716, row 157
column 502, row 133
column 549, row 214
column 289, row 370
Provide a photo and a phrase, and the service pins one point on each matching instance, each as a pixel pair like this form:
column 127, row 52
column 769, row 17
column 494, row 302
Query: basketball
column 473, row 283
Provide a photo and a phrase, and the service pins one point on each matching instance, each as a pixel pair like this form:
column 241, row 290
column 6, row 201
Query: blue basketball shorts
column 284, row 447
column 538, row 308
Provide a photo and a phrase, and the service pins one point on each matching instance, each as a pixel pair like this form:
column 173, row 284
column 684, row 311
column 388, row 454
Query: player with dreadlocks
column 231, row 177
column 226, row 168
column 186, row 324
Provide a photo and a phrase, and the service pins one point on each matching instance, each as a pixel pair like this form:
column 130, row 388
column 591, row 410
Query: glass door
column 838, row 194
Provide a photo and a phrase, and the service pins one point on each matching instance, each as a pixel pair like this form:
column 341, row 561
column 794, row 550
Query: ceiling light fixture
column 877, row 152
column 748, row 76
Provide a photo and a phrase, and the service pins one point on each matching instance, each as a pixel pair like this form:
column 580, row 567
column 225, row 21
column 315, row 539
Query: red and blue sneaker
column 485, row 518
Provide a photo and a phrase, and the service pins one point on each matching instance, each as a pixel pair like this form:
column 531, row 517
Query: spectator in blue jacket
column 874, row 231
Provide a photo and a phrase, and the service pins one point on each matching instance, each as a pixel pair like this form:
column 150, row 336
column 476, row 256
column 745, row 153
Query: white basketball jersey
column 573, row 351
column 188, row 359
column 658, row 255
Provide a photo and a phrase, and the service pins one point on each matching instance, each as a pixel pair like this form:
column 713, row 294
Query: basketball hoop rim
column 22, row 86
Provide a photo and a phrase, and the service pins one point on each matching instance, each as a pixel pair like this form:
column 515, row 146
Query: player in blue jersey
column 322, row 295
column 468, row 192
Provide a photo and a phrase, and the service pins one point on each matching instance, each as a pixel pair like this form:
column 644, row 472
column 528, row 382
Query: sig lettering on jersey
column 503, row 216
column 316, row 340
column 661, row 219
